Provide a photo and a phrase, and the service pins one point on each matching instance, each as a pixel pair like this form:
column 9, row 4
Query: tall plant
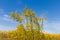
column 31, row 22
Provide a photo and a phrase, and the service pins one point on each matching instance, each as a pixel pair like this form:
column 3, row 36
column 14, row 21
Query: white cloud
column 3, row 15
column 6, row 15
column 6, row 28
column 48, row 31
column 6, row 19
column 52, row 27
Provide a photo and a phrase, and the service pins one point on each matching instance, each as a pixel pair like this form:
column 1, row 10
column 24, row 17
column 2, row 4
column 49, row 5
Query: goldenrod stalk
column 32, row 27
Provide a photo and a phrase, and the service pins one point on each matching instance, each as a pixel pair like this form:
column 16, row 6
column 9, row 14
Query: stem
column 38, row 30
column 31, row 27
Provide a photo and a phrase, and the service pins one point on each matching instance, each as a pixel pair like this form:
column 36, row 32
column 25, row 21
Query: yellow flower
column 19, row 27
column 1, row 33
column 35, row 20
column 25, row 13
column 21, row 18
column 39, row 18
column 17, row 16
column 30, row 25
column 31, row 13
column 12, row 14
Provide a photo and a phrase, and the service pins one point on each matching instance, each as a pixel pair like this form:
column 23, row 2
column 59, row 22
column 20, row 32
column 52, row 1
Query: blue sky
column 49, row 7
